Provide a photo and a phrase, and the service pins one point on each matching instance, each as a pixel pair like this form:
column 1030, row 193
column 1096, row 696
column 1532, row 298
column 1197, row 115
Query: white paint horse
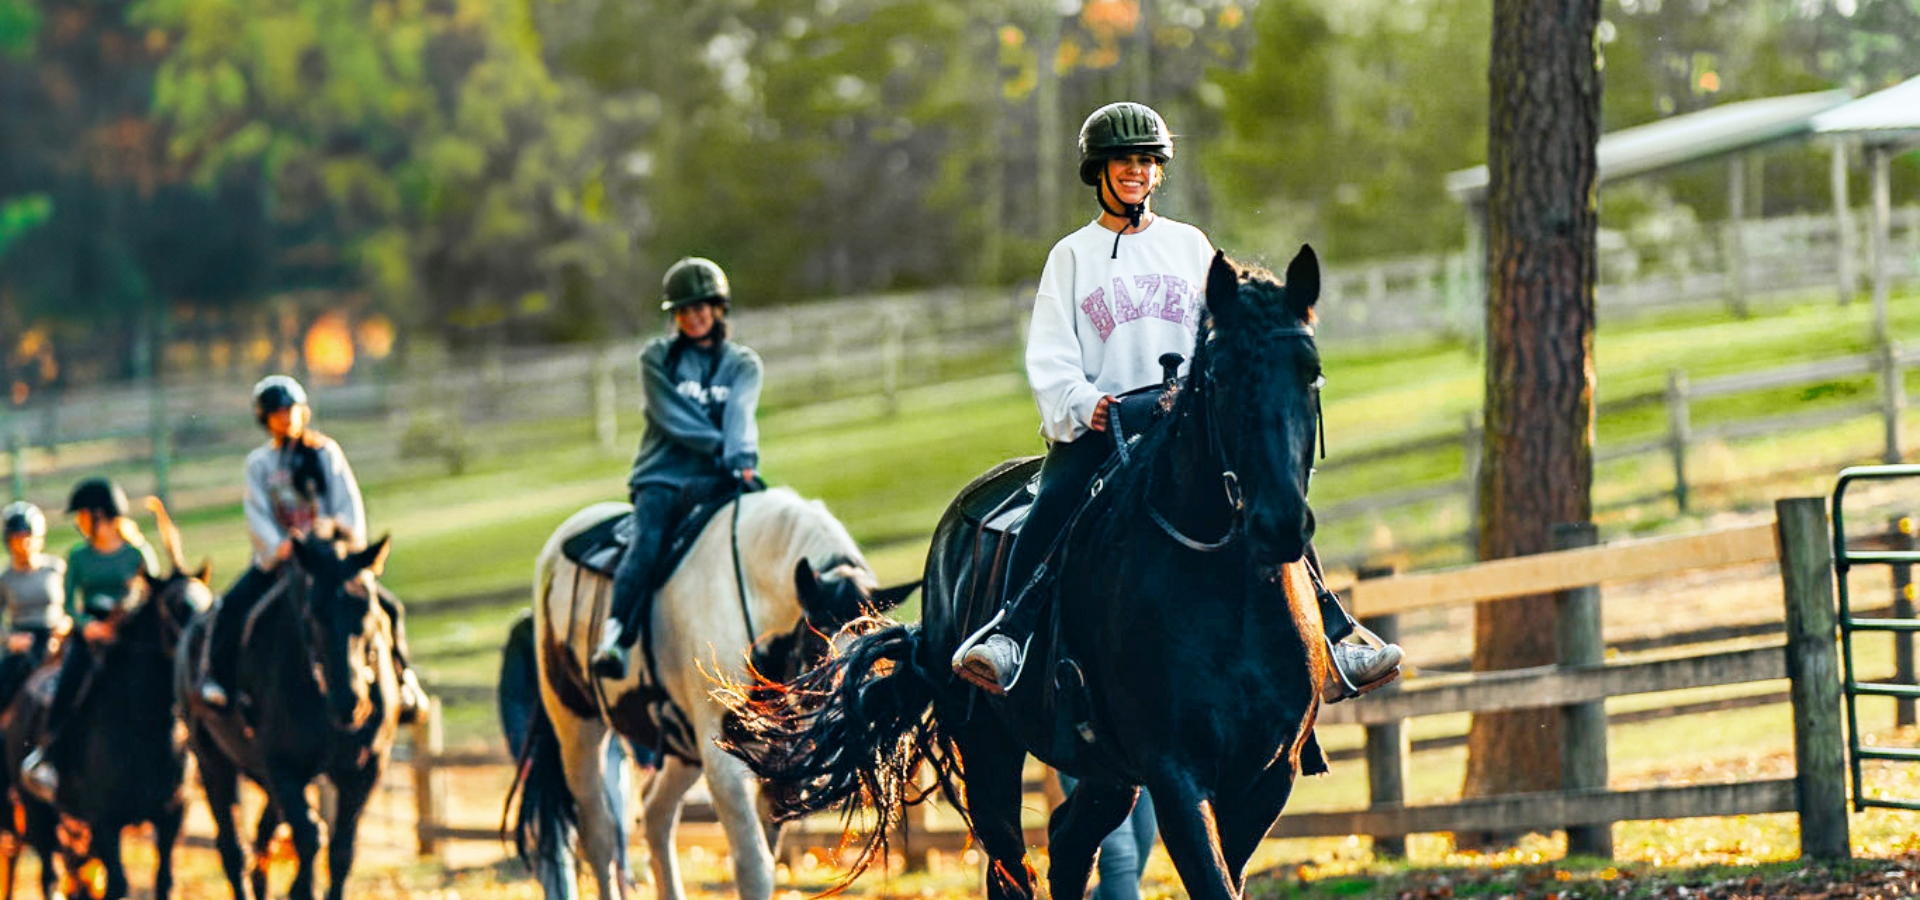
column 779, row 562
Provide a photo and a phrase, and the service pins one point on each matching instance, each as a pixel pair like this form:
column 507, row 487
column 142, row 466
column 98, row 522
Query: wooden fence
column 1578, row 685
column 1582, row 680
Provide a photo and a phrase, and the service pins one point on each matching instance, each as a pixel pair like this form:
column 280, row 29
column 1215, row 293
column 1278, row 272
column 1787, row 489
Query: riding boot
column 991, row 658
column 413, row 697
column 1358, row 668
column 226, row 622
column 633, row 580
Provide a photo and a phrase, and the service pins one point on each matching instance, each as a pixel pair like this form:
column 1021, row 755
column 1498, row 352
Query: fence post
column 1843, row 224
column 1679, row 432
column 1583, row 726
column 1903, row 539
column 17, row 455
column 1893, row 398
column 1471, row 447
column 160, row 436
column 1819, row 748
column 429, row 794
column 606, row 409
column 1387, row 744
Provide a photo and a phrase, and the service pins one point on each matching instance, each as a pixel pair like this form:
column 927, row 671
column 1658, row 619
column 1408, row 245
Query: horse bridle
column 1230, row 479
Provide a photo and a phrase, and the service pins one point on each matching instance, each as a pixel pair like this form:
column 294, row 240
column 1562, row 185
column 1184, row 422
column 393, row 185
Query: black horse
column 117, row 750
column 28, row 821
column 321, row 698
column 1183, row 651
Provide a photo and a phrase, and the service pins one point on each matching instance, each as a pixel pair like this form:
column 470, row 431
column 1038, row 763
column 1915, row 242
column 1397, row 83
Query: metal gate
column 1844, row 559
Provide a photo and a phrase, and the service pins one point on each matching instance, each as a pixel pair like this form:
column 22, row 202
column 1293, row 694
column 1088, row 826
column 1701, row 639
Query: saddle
column 599, row 548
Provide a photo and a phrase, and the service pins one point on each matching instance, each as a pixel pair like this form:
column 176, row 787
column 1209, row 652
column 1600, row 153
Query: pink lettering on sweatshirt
column 1095, row 306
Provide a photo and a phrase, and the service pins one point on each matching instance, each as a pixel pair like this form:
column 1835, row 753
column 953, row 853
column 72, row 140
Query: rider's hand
column 1100, row 414
column 19, row 643
column 283, row 551
column 96, row 631
column 746, row 475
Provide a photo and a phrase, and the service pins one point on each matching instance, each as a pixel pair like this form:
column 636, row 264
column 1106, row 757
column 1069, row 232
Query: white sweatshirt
column 274, row 504
column 1100, row 324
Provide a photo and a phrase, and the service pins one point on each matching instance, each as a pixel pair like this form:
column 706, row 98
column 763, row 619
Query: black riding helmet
column 99, row 495
column 22, row 517
column 1118, row 129
column 694, row 280
column 275, row 393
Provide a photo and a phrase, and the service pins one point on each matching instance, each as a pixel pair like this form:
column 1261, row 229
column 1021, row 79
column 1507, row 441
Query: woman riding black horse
column 297, row 483
column 1116, row 297
column 1182, row 651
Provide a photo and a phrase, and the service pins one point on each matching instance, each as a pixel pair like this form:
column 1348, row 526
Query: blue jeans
column 1123, row 854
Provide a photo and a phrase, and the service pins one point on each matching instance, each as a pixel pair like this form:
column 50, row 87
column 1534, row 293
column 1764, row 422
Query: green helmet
column 1118, row 129
column 695, row 280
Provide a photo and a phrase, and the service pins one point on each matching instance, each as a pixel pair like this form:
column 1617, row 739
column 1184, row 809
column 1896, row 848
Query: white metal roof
column 1710, row 132
column 1889, row 116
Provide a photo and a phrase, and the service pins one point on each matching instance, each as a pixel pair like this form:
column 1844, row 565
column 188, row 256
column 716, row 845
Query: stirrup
column 979, row 634
column 213, row 694
column 1347, row 689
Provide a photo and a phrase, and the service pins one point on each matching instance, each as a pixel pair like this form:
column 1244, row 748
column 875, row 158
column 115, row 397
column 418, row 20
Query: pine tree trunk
column 1537, row 471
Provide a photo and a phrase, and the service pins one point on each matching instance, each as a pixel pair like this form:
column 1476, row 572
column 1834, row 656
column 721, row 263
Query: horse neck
column 1187, row 485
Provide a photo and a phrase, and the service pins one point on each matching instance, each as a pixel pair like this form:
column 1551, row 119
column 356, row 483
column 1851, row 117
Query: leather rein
column 1229, row 479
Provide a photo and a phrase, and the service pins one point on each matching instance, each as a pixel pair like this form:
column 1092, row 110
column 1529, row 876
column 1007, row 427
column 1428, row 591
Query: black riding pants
column 75, row 668
column 1065, row 477
column 230, row 621
column 653, row 511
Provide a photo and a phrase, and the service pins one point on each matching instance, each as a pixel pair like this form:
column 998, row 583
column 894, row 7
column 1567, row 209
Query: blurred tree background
column 511, row 171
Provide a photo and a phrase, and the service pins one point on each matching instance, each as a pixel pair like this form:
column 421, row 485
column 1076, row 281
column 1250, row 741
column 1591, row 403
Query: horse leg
column 166, row 832
column 263, row 848
column 994, row 762
column 1077, row 827
column 105, row 847
column 351, row 797
column 220, row 780
column 661, row 812
column 1245, row 818
column 582, row 756
column 736, row 799
column 1192, row 838
column 290, row 795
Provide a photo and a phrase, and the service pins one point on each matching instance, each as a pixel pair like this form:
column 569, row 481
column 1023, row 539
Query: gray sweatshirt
column 36, row 598
column 699, row 415
column 275, row 504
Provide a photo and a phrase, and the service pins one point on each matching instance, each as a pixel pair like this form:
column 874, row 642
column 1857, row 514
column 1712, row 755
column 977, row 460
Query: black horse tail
column 540, row 811
column 543, row 821
column 849, row 734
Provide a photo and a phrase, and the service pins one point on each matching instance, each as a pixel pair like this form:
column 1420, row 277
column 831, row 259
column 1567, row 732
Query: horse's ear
column 889, row 597
column 306, row 552
column 1223, row 290
column 807, row 582
column 374, row 558
column 205, row 574
column 1303, row 281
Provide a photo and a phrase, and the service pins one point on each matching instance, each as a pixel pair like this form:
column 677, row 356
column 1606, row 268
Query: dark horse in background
column 1183, row 651
column 320, row 697
column 120, row 759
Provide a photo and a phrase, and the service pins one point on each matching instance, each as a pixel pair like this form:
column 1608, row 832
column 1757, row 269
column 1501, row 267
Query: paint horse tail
column 849, row 734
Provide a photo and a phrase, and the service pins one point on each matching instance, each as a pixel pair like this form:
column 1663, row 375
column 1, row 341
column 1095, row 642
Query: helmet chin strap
column 1129, row 211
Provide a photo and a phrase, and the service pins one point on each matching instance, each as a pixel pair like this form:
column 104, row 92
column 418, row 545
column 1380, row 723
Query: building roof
column 1891, row 116
column 1729, row 128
